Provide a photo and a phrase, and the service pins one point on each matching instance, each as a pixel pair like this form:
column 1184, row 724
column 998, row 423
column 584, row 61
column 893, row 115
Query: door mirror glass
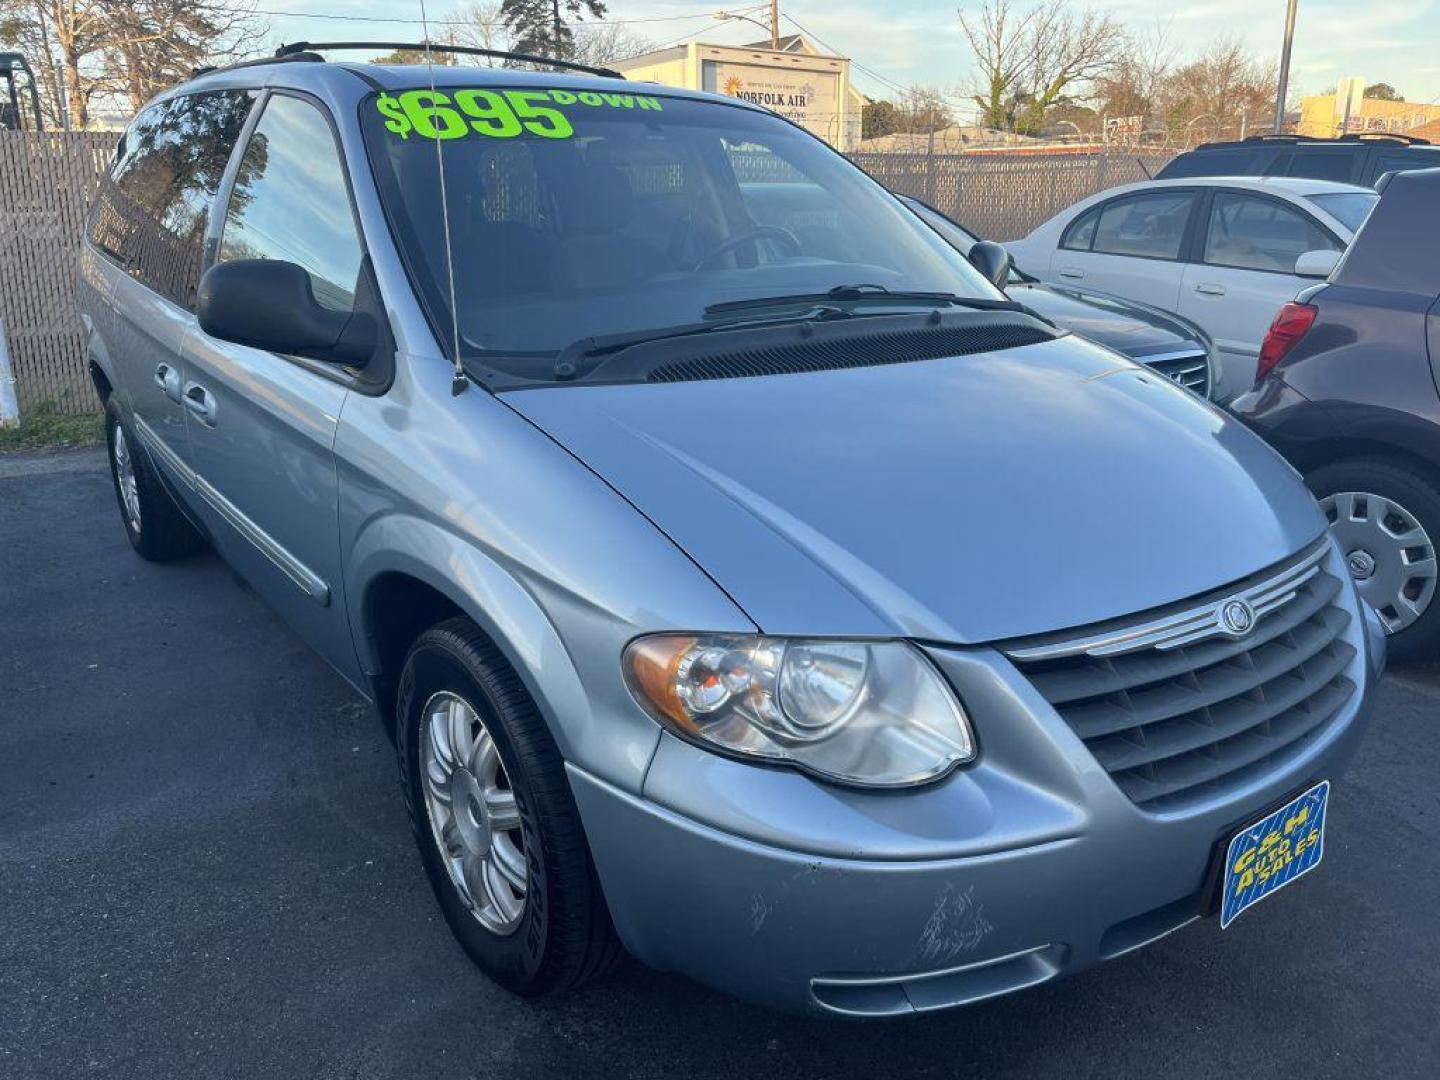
column 1316, row 264
column 992, row 260
column 270, row 304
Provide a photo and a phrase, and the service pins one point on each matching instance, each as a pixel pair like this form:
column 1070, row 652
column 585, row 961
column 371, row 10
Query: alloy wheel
column 1388, row 553
column 473, row 815
column 125, row 478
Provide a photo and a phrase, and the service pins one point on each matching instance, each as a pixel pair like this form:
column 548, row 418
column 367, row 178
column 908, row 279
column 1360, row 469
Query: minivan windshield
column 576, row 214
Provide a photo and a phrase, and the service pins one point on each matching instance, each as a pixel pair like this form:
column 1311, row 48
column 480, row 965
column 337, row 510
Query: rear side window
column 1331, row 163
column 1150, row 226
column 1237, row 162
column 1419, row 158
column 152, row 211
column 1260, row 234
column 290, row 202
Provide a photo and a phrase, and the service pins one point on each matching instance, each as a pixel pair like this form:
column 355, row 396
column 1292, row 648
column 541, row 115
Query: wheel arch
column 409, row 574
column 1345, row 450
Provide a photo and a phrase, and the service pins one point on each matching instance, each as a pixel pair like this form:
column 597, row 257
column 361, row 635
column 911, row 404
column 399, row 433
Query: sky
column 900, row 43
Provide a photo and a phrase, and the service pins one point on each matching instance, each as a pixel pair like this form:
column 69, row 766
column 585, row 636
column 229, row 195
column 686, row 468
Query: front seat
column 597, row 251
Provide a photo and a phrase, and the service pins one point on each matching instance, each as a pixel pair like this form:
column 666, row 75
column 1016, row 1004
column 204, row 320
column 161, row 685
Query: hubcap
column 125, row 478
column 1390, row 555
column 473, row 815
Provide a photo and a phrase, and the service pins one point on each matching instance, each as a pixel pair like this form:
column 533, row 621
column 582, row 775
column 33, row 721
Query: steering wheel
column 745, row 236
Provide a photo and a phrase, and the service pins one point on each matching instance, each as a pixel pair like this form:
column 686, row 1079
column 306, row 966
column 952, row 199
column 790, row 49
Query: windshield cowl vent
column 854, row 350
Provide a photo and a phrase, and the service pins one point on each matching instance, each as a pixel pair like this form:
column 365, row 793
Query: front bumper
column 1027, row 865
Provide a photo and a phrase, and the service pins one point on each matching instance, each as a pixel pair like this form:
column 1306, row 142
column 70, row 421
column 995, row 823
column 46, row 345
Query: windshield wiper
column 865, row 292
column 567, row 362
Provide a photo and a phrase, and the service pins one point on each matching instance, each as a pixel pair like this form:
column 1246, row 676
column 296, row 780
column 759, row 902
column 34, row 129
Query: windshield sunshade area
column 575, row 214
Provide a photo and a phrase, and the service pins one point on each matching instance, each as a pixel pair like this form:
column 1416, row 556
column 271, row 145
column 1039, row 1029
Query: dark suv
column 1348, row 393
column 1351, row 159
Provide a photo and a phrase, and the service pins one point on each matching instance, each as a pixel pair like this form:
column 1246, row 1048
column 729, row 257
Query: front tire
column 492, row 812
column 1386, row 518
column 154, row 525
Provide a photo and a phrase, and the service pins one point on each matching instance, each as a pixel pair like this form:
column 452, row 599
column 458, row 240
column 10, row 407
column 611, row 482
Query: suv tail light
column 1290, row 325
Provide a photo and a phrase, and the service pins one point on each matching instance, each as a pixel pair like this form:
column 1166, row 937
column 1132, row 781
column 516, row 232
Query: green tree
column 539, row 27
column 1383, row 91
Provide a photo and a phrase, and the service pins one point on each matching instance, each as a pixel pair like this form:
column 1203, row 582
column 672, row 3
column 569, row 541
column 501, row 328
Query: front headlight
column 871, row 713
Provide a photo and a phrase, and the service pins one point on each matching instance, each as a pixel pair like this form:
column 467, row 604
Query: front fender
column 597, row 727
column 465, row 495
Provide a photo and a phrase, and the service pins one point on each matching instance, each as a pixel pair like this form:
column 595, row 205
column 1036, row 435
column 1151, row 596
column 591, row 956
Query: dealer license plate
column 1267, row 856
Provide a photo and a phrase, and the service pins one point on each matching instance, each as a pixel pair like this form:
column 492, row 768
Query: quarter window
column 1081, row 233
column 1260, row 234
column 290, row 202
column 1151, row 226
column 152, row 210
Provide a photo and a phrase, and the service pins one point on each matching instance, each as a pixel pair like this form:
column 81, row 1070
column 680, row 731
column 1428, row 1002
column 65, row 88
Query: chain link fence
column 1003, row 196
column 47, row 181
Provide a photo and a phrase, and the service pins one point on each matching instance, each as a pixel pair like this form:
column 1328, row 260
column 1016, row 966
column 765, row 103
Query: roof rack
column 296, row 57
column 303, row 48
column 1352, row 137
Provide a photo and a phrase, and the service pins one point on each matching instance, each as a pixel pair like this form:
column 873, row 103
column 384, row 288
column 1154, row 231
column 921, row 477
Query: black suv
column 1347, row 391
column 1351, row 159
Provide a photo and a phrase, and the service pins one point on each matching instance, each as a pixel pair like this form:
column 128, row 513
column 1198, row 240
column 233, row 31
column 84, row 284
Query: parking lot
column 205, row 870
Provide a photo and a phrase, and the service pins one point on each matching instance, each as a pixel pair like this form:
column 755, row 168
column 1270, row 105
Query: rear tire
column 560, row 935
column 154, row 525
column 1387, row 519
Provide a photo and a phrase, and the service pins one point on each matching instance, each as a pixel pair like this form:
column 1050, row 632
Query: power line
column 339, row 17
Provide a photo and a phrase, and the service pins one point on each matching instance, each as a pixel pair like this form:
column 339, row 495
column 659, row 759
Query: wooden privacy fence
column 46, row 182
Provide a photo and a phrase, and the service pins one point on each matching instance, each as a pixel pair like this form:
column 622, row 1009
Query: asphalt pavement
column 206, row 871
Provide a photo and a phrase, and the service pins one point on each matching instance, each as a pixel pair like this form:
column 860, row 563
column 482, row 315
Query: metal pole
column 1283, row 89
column 9, row 407
column 775, row 24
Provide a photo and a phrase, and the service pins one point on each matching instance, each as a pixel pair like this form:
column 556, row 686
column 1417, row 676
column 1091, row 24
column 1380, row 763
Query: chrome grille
column 1191, row 370
column 1175, row 706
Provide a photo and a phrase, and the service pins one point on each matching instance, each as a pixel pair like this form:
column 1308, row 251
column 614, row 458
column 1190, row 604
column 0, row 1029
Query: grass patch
column 44, row 427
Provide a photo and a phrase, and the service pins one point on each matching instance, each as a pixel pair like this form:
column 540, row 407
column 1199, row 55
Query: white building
column 797, row 81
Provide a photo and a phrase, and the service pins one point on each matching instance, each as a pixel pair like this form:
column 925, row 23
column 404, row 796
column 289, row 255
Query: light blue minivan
column 747, row 582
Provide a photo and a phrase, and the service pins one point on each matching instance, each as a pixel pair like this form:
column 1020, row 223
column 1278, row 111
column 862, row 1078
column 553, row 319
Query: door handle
column 201, row 404
column 1210, row 289
column 1071, row 272
column 168, row 379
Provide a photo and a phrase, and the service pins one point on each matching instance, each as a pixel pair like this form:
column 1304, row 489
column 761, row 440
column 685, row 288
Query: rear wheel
column 492, row 811
column 1386, row 519
column 155, row 526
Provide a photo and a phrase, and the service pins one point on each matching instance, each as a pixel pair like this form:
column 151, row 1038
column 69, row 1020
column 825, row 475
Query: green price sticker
column 434, row 114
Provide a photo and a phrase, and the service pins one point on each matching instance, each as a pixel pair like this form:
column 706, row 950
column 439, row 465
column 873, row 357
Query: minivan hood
column 966, row 499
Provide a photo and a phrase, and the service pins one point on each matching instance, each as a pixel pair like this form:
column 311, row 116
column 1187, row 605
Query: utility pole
column 775, row 25
column 1283, row 90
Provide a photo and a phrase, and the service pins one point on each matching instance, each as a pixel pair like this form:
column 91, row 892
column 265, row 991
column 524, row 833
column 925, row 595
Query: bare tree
column 1224, row 83
column 1066, row 50
column 607, row 42
column 83, row 49
column 999, row 38
column 480, row 25
column 153, row 44
column 1134, row 84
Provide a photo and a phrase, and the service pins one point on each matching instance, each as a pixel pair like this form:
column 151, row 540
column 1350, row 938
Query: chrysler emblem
column 1236, row 617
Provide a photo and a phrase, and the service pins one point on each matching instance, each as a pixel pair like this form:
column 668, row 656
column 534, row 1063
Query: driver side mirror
column 1316, row 264
column 992, row 260
column 270, row 304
